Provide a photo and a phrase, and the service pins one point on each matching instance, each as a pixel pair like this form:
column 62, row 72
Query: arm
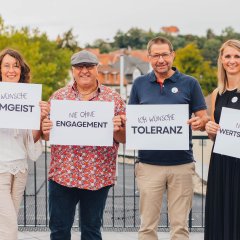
column 212, row 127
column 119, row 133
column 46, row 127
column 44, row 106
column 200, row 118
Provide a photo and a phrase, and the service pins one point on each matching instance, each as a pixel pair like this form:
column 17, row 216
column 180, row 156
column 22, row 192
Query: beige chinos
column 152, row 182
column 11, row 192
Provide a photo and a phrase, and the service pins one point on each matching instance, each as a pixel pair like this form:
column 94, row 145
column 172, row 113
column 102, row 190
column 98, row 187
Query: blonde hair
column 222, row 75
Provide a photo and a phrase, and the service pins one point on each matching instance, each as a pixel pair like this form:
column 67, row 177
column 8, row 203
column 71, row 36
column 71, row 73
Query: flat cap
column 84, row 57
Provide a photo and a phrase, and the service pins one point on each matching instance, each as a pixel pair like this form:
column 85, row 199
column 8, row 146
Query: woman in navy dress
column 222, row 213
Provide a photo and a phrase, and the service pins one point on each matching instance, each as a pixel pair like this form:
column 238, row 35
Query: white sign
column 228, row 137
column 19, row 105
column 86, row 123
column 157, row 127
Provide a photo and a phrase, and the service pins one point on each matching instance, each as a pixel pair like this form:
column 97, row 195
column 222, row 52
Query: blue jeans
column 62, row 207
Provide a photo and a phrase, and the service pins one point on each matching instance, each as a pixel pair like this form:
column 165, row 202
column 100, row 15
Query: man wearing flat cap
column 83, row 174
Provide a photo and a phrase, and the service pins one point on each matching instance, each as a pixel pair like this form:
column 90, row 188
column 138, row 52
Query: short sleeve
column 133, row 99
column 197, row 99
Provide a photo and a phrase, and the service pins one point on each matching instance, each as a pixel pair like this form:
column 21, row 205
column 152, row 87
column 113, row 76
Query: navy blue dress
column 222, row 213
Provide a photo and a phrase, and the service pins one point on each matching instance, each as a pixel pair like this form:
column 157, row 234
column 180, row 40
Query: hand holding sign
column 212, row 128
column 119, row 122
column 45, row 109
column 47, row 125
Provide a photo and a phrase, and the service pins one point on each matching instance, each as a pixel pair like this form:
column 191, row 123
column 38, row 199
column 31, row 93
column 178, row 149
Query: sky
column 94, row 19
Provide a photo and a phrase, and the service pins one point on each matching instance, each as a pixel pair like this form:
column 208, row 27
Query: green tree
column 68, row 40
column 210, row 50
column 179, row 42
column 1, row 25
column 104, row 46
column 121, row 40
column 190, row 61
column 210, row 34
column 229, row 33
column 135, row 38
column 49, row 64
column 52, row 66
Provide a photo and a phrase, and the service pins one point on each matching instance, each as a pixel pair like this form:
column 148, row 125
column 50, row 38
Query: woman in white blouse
column 13, row 149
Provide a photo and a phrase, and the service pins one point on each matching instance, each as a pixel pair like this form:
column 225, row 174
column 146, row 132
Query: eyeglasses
column 165, row 56
column 81, row 67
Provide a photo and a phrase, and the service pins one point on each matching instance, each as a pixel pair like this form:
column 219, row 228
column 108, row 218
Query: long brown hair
column 25, row 70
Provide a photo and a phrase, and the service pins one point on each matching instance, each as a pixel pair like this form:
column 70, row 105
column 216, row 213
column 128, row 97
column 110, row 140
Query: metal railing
column 121, row 212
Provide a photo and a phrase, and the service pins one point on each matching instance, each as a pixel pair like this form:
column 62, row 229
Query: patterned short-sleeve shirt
column 86, row 167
